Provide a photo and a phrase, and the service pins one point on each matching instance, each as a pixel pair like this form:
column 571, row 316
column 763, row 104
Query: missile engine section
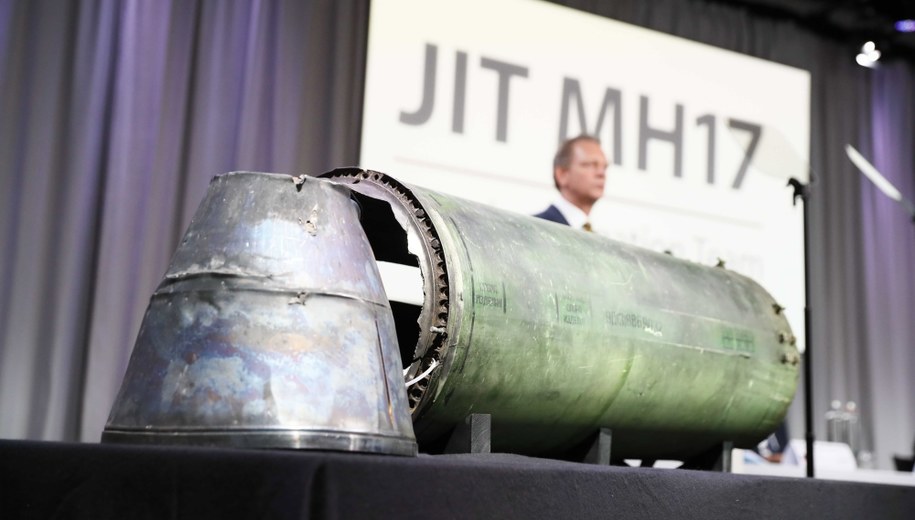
column 270, row 330
column 557, row 332
column 282, row 323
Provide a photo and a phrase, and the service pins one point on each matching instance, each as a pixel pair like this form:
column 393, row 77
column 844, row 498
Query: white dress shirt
column 572, row 213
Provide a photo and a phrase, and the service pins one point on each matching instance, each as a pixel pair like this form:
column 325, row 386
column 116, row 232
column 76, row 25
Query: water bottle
column 853, row 427
column 835, row 422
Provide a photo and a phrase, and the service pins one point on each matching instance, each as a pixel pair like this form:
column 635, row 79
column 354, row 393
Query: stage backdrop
column 473, row 97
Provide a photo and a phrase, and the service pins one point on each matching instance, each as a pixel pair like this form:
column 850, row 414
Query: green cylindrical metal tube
column 557, row 332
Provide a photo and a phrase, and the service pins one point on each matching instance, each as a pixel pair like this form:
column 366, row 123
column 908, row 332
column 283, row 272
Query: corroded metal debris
column 272, row 329
column 557, row 333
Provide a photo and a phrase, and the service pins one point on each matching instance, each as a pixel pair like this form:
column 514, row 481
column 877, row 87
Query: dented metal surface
column 270, row 329
column 557, row 332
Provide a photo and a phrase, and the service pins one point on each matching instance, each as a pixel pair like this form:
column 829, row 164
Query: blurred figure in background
column 579, row 172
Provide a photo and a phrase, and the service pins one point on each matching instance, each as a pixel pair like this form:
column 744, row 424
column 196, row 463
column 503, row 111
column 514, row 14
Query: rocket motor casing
column 557, row 332
column 270, row 329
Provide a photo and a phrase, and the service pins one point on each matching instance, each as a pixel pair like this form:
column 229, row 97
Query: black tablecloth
column 65, row 480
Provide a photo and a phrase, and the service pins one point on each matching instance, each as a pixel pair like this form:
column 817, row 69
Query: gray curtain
column 115, row 114
column 887, row 358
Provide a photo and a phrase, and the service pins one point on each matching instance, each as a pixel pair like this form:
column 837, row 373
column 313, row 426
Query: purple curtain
column 115, row 116
column 888, row 241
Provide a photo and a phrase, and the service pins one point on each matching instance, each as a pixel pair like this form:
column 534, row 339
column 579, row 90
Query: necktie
column 586, row 226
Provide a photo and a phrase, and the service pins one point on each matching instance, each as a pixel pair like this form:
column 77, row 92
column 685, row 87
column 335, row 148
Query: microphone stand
column 802, row 191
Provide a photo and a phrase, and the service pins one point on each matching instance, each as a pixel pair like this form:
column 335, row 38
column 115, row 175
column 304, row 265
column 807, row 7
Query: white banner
column 472, row 98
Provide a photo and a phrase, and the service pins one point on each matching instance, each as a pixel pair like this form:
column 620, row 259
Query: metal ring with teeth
column 430, row 346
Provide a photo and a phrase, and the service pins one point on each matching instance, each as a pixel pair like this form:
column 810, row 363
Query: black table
column 69, row 480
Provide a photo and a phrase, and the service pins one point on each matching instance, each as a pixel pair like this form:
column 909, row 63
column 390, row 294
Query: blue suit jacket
column 553, row 215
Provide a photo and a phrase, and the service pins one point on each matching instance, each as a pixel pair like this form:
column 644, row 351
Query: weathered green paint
column 558, row 332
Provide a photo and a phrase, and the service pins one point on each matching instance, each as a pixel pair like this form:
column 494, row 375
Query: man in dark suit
column 579, row 171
